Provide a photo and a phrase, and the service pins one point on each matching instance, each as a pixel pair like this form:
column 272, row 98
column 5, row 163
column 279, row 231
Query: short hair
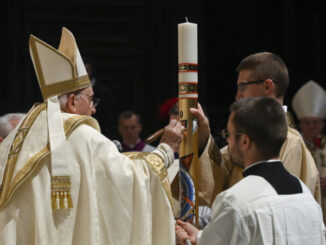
column 127, row 115
column 63, row 99
column 5, row 123
column 263, row 120
column 266, row 65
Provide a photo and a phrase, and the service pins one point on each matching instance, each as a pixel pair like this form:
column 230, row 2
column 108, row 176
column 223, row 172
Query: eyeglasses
column 94, row 100
column 225, row 133
column 242, row 85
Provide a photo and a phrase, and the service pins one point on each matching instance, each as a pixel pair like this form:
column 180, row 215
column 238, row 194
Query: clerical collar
column 132, row 146
column 285, row 108
column 256, row 163
column 276, row 175
column 138, row 147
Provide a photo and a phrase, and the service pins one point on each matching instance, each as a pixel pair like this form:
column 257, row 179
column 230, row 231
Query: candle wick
column 186, row 18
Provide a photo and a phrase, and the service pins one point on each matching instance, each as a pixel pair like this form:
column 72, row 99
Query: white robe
column 251, row 212
column 116, row 200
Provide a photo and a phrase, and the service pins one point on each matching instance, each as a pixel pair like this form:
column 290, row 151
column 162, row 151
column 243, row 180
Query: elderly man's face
column 84, row 104
column 311, row 127
column 129, row 128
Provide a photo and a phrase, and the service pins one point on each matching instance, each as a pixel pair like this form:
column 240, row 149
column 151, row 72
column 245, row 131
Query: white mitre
column 310, row 101
column 59, row 71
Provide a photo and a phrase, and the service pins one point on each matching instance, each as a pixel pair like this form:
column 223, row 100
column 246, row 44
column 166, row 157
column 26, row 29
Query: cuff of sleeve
column 165, row 151
column 211, row 152
column 206, row 149
column 205, row 152
column 199, row 236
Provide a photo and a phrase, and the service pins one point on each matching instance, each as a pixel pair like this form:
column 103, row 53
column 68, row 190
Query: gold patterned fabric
column 290, row 121
column 12, row 181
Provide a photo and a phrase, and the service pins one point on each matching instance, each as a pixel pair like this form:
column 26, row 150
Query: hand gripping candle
column 188, row 97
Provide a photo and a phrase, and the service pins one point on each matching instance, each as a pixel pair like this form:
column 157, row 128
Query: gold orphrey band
column 188, row 67
column 188, row 88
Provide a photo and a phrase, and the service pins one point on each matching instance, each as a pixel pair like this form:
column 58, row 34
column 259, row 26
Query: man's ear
column 71, row 104
column 269, row 87
column 245, row 142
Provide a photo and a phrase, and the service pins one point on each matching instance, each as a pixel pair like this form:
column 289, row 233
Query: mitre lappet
column 59, row 71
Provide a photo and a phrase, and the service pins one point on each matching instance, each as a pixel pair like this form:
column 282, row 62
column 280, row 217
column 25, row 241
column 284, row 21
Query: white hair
column 63, row 100
column 6, row 123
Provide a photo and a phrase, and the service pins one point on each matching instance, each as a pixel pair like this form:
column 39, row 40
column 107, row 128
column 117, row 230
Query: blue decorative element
column 187, row 191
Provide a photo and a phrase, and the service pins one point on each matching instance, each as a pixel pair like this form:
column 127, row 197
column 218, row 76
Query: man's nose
column 238, row 95
column 93, row 109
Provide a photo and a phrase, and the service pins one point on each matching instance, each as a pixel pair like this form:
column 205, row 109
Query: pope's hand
column 173, row 134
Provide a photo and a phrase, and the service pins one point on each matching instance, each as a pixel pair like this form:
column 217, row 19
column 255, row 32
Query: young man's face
column 245, row 90
column 234, row 149
column 129, row 129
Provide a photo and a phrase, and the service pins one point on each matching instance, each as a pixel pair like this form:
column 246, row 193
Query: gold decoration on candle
column 188, row 88
column 188, row 67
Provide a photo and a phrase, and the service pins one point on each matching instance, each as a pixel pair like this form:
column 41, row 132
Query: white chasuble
column 116, row 199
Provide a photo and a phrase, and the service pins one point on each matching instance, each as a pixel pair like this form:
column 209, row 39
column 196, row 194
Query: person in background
column 309, row 104
column 269, row 205
column 8, row 122
column 169, row 110
column 129, row 127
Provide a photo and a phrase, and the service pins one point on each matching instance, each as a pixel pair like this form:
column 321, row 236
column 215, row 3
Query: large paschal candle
column 188, row 97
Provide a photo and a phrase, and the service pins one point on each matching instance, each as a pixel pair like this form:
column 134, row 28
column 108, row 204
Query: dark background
column 134, row 46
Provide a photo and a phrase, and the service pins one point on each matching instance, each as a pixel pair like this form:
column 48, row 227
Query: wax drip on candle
column 186, row 19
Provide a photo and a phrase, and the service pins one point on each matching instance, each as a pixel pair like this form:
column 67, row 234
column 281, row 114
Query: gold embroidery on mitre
column 67, row 86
